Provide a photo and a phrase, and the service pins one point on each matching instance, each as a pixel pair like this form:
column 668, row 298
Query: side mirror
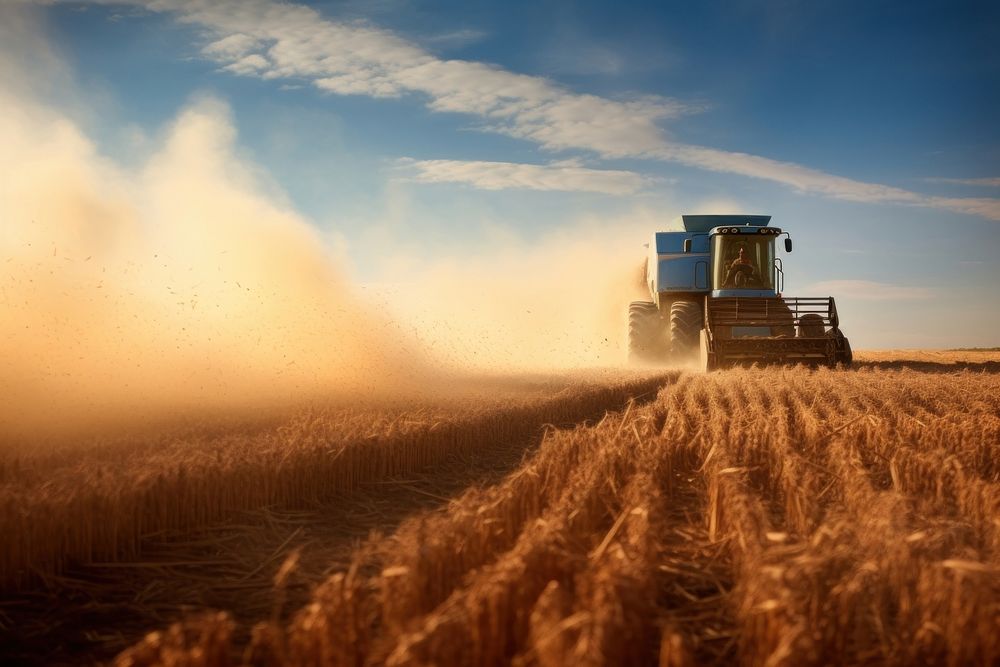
column 687, row 245
column 788, row 245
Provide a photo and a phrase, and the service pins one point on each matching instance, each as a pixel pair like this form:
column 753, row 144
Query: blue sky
column 866, row 129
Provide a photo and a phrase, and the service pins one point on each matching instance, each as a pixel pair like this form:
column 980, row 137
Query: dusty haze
column 180, row 284
column 189, row 281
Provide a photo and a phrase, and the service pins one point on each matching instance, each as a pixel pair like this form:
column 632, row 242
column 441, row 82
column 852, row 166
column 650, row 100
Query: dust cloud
column 554, row 303
column 180, row 285
column 188, row 282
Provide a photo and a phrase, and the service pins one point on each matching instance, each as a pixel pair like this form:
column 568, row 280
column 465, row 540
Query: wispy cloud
column 585, row 59
column 565, row 177
column 805, row 179
column 867, row 290
column 274, row 40
column 457, row 38
column 979, row 182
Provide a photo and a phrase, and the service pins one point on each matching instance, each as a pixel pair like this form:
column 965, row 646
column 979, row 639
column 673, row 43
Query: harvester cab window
column 742, row 261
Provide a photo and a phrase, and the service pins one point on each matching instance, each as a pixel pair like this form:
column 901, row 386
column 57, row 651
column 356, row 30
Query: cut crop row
column 99, row 511
column 783, row 517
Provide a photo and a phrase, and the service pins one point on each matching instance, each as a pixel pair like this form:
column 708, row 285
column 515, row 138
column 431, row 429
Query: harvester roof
column 705, row 223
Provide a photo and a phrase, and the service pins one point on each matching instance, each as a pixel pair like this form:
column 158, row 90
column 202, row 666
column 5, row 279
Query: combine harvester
column 716, row 289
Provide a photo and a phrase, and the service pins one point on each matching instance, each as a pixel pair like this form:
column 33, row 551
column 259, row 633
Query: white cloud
column 457, row 38
column 296, row 41
column 567, row 176
column 867, row 290
column 809, row 180
column 983, row 182
column 247, row 65
column 982, row 206
column 231, row 47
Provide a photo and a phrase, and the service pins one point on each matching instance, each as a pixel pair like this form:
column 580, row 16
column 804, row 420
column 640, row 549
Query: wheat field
column 779, row 516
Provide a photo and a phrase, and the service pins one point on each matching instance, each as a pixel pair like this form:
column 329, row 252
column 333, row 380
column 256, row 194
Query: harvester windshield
column 743, row 261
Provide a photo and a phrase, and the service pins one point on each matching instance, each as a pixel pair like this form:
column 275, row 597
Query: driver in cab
column 742, row 272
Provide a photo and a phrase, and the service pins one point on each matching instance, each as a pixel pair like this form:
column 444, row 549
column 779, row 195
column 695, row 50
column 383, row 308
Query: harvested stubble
column 786, row 517
column 98, row 508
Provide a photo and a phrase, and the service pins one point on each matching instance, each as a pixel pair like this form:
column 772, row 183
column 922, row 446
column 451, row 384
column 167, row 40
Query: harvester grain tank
column 716, row 292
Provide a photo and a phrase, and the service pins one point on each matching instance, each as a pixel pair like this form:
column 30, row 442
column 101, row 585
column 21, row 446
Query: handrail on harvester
column 774, row 312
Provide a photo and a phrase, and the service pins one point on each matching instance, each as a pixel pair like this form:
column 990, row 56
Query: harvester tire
column 686, row 320
column 843, row 356
column 645, row 333
column 811, row 326
column 846, row 357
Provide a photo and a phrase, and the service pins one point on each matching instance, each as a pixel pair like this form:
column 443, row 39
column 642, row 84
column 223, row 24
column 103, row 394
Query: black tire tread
column 686, row 320
column 844, row 355
column 644, row 331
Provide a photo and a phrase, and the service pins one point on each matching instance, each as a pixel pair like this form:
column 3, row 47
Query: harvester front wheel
column 686, row 321
column 645, row 332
